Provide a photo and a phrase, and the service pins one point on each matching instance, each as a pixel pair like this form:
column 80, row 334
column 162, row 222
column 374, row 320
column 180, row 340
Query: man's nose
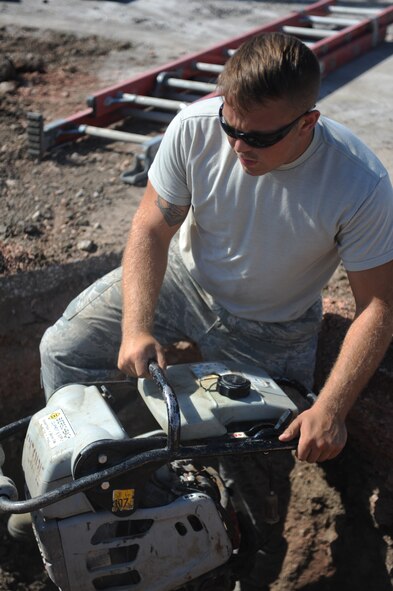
column 240, row 145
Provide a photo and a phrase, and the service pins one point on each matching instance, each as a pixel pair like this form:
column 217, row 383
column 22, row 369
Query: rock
column 87, row 245
column 7, row 69
column 47, row 214
column 8, row 87
column 29, row 62
column 32, row 230
column 82, row 222
column 11, row 183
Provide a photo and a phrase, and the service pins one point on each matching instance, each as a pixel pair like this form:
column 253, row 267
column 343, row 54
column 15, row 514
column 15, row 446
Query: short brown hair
column 271, row 66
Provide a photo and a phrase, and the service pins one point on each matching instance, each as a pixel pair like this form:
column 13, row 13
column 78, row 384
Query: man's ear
column 309, row 121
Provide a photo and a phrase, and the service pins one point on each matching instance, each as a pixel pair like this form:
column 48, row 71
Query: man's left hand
column 321, row 436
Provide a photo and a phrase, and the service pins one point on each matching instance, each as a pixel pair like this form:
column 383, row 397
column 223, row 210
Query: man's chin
column 252, row 167
column 254, row 171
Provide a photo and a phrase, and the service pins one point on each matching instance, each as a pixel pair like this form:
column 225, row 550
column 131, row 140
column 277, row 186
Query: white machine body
column 204, row 412
column 158, row 545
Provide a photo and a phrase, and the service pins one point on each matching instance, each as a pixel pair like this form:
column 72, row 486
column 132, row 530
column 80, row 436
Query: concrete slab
column 359, row 95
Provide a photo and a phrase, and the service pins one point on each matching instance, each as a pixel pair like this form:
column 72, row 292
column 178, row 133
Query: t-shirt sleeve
column 366, row 240
column 167, row 173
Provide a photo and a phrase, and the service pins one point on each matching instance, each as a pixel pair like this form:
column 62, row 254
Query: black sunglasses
column 257, row 139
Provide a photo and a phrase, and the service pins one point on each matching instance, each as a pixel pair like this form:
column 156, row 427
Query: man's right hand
column 136, row 352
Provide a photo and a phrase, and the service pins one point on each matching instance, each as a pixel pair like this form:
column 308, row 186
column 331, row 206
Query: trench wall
column 29, row 303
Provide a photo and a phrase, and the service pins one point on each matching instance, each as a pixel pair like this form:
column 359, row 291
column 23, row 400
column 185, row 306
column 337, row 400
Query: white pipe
column 308, row 32
column 113, row 134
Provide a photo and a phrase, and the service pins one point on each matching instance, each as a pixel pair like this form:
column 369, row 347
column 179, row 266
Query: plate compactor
column 149, row 512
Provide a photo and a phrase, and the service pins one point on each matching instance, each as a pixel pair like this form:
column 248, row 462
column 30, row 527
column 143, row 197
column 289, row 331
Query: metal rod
column 152, row 101
column 113, row 134
column 84, row 483
column 12, row 428
column 146, row 101
column 189, row 84
column 308, row 32
column 355, row 10
column 331, row 20
column 206, row 67
column 171, row 402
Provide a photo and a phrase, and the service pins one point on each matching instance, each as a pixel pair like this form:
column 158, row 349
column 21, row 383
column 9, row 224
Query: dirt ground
column 73, row 206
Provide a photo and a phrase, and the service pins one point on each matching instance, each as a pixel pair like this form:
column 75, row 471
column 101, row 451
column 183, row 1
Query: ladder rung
column 205, row 67
column 146, row 101
column 331, row 20
column 363, row 12
column 112, row 134
column 185, row 84
column 308, row 32
column 152, row 101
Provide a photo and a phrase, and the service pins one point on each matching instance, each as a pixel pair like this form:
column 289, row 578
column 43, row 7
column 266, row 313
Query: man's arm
column 144, row 264
column 322, row 428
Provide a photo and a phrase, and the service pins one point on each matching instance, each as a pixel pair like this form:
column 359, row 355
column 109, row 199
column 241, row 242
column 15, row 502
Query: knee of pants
column 47, row 345
column 57, row 349
column 48, row 364
column 62, row 341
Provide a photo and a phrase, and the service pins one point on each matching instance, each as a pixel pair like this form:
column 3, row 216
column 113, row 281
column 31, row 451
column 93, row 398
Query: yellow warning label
column 123, row 500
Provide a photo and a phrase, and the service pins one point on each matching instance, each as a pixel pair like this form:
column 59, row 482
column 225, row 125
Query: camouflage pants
column 83, row 345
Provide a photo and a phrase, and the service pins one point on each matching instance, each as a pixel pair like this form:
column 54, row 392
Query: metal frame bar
column 163, row 454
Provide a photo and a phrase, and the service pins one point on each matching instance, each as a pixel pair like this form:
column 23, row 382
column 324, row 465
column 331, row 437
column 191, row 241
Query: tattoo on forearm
column 173, row 214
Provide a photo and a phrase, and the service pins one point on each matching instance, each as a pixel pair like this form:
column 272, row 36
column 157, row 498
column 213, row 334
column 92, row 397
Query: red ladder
column 336, row 33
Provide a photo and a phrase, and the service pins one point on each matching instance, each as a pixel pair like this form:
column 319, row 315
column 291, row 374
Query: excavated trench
column 336, row 517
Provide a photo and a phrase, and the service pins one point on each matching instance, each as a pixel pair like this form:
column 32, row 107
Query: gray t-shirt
column 264, row 246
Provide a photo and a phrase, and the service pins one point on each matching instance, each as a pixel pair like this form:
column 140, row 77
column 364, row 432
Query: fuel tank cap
column 233, row 385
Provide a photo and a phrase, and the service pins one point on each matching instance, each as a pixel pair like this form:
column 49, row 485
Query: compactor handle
column 172, row 405
column 7, row 486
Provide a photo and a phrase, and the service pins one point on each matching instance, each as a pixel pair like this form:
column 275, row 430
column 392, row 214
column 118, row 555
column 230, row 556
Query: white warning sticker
column 56, row 428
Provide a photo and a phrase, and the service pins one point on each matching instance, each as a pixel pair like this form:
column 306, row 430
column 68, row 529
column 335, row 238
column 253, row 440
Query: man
column 268, row 197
